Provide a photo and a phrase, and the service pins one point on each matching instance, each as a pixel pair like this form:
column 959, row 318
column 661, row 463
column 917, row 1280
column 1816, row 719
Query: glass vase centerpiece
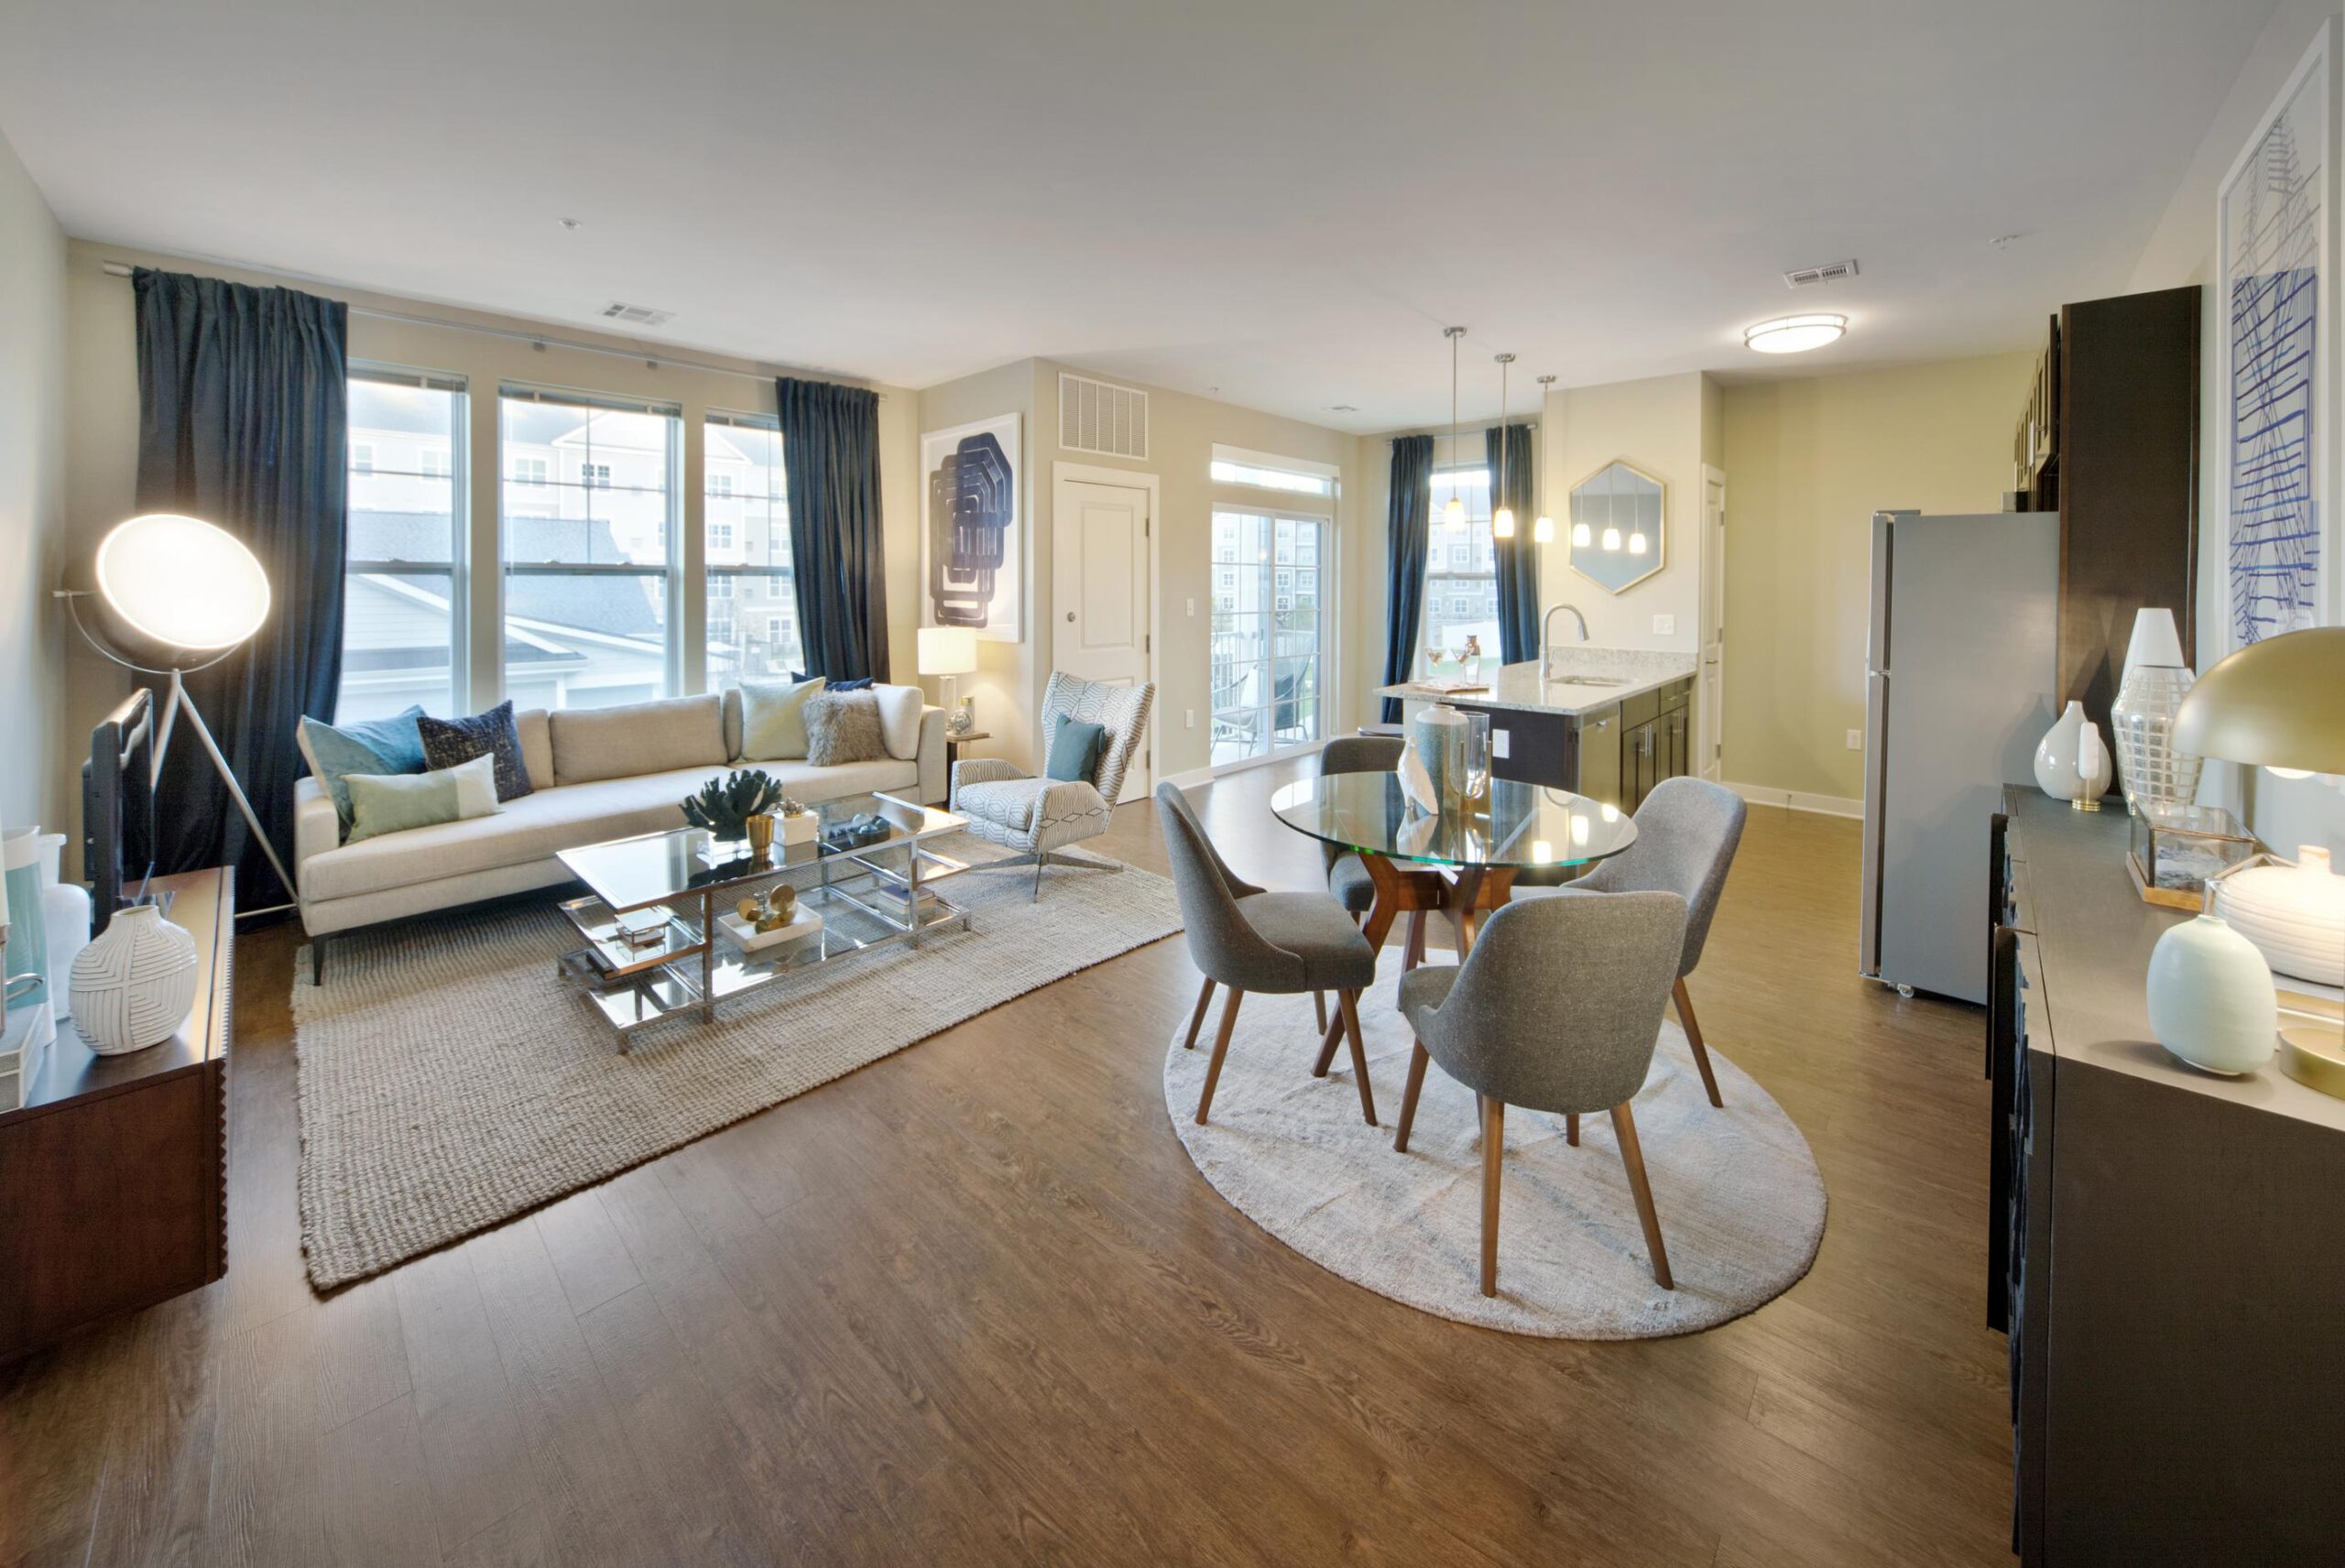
column 2155, row 681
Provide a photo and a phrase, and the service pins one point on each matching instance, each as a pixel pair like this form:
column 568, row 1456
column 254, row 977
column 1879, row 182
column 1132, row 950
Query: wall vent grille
column 637, row 315
column 1830, row 272
column 1096, row 417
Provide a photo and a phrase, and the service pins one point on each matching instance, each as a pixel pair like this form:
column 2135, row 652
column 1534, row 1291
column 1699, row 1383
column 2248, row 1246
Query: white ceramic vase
column 2070, row 762
column 135, row 982
column 2211, row 997
column 2293, row 914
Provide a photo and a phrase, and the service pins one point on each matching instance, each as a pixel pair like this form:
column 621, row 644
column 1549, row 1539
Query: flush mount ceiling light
column 1795, row 334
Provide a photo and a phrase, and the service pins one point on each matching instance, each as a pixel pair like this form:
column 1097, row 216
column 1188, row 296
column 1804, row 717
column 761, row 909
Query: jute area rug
column 1740, row 1200
column 449, row 1081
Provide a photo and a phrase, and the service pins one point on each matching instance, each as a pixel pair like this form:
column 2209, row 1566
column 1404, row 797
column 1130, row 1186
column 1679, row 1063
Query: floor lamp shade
column 182, row 582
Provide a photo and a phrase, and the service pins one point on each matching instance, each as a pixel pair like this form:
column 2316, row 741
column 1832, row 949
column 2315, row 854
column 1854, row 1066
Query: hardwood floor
column 973, row 1304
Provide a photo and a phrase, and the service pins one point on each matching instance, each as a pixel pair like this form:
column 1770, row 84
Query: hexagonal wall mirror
column 1617, row 537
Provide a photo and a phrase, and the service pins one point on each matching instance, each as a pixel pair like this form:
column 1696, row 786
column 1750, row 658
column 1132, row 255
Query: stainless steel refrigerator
column 1960, row 687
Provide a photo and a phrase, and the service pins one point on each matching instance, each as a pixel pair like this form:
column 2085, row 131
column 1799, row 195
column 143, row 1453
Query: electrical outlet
column 1856, row 740
column 1191, row 715
column 1665, row 625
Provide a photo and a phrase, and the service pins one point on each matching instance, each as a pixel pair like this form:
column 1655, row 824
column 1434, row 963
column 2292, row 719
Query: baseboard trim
column 1800, row 800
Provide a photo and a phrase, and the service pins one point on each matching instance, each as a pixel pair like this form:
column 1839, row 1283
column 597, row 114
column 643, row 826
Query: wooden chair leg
column 1694, row 1039
column 1197, row 1019
column 1414, row 953
column 1349, row 1002
column 1417, row 1059
column 1571, row 1129
column 1220, row 1050
column 1493, row 1150
column 1319, row 1007
column 1624, row 1128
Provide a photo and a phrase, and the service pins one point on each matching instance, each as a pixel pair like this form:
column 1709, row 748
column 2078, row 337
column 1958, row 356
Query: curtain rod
column 539, row 339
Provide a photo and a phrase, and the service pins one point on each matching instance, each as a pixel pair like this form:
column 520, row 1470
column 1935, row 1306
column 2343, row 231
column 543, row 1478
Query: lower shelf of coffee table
column 633, row 994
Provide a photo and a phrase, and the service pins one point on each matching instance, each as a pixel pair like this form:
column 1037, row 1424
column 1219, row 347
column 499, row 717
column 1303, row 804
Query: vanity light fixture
column 1795, row 334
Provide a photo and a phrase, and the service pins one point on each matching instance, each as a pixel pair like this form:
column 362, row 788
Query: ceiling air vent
column 637, row 315
column 1830, row 272
column 1096, row 417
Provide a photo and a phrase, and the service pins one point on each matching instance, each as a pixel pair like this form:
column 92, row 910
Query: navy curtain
column 1408, row 518
column 242, row 406
column 830, row 452
column 1515, row 484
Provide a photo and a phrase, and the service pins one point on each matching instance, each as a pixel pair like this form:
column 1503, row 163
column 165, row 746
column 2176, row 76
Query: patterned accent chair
column 1036, row 816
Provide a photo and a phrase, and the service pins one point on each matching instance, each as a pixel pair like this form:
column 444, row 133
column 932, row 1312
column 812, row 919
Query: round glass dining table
column 1460, row 862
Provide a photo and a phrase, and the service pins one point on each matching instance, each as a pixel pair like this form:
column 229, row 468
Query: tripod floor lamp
column 194, row 595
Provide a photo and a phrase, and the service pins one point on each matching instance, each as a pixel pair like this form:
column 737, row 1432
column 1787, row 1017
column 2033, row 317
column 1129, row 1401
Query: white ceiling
column 1283, row 201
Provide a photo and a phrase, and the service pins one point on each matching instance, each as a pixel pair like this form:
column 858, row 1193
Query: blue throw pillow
column 447, row 742
column 1075, row 751
column 391, row 746
column 862, row 685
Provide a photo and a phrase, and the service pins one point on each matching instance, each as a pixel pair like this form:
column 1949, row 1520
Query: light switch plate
column 1192, row 608
column 1856, row 740
column 1190, row 715
column 1665, row 625
column 1498, row 739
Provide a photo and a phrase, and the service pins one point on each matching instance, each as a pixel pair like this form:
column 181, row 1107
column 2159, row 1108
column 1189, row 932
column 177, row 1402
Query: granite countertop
column 1520, row 686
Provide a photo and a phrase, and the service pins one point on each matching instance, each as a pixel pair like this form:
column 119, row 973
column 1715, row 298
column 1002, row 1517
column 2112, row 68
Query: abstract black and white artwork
column 2276, row 210
column 973, row 541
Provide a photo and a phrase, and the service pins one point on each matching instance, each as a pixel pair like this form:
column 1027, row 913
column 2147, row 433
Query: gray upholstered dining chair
column 1347, row 876
column 1245, row 938
column 1555, row 1008
column 1688, row 829
column 1036, row 816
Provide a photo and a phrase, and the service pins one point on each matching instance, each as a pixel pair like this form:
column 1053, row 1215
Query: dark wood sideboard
column 114, row 1174
column 2167, row 1248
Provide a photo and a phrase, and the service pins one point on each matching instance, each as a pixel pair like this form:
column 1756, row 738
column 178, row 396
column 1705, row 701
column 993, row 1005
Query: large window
column 1268, row 638
column 590, row 529
column 752, row 599
column 1461, row 566
column 401, row 628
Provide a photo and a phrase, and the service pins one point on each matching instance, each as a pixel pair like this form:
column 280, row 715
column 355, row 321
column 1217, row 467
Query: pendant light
column 1543, row 530
column 1503, row 518
column 1611, row 538
column 1453, row 516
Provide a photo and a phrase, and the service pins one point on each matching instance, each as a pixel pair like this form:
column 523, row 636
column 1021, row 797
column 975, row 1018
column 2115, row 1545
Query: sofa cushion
column 844, row 727
column 804, row 782
column 531, row 828
column 375, row 746
column 398, row 802
column 536, row 742
column 773, row 719
column 447, row 742
column 594, row 744
column 899, row 708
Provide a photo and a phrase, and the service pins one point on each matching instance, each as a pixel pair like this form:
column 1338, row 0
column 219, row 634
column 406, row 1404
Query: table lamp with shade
column 2280, row 704
column 186, row 594
column 950, row 652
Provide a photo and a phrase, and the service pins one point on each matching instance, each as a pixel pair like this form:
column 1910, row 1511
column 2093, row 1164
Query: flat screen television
column 118, row 809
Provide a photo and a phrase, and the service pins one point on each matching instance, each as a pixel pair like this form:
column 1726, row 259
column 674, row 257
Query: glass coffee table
column 653, row 950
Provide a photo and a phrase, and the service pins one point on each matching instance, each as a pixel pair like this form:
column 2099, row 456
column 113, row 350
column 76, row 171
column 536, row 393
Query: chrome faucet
column 1546, row 623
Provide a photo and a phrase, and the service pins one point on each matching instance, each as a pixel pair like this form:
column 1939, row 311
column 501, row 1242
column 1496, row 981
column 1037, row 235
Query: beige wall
column 35, row 770
column 1807, row 464
column 1655, row 425
column 102, row 466
column 1182, row 431
column 2284, row 813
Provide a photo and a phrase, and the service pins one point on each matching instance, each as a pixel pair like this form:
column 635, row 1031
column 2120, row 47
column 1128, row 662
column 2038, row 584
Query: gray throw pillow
column 447, row 742
column 844, row 727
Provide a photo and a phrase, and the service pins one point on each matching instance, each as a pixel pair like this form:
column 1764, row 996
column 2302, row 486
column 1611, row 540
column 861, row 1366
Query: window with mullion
column 1267, row 641
column 753, row 632
column 404, row 545
column 1461, row 565
column 589, row 528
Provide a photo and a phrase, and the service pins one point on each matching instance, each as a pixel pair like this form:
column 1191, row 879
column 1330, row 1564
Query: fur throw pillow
column 844, row 727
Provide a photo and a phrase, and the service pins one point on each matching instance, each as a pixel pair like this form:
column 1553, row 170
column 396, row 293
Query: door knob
column 1070, row 616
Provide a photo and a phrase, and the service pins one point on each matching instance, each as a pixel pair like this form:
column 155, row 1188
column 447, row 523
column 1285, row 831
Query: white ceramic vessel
column 2211, row 997
column 2070, row 763
column 2293, row 914
column 135, row 982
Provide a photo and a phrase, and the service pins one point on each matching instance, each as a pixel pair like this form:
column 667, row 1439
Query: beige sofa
column 601, row 773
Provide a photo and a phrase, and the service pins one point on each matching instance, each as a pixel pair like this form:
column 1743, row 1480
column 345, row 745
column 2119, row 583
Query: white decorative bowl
column 133, row 983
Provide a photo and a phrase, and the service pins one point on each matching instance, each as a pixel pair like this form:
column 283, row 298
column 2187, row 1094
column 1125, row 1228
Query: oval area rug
column 1740, row 1200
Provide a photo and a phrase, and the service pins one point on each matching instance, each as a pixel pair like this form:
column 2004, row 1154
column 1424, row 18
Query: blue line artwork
column 2272, row 222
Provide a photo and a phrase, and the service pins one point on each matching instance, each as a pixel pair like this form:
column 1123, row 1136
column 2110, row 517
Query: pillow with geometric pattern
column 447, row 742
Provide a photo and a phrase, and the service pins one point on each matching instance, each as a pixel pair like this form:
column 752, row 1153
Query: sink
column 1587, row 680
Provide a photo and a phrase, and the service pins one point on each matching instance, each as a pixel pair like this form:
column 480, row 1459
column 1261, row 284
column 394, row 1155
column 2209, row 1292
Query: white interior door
column 1710, row 700
column 1100, row 594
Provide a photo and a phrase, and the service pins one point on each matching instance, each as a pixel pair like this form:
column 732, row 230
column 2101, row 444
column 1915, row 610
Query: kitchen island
column 1607, row 723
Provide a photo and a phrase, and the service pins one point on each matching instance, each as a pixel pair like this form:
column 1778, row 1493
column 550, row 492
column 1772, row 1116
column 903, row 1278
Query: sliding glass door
column 1269, row 635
